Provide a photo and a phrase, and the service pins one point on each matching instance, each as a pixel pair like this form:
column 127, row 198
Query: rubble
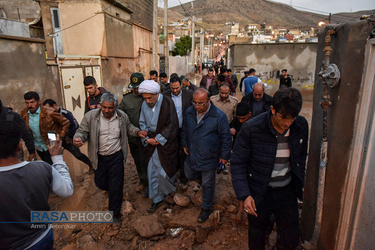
column 148, row 226
column 181, row 200
column 127, row 208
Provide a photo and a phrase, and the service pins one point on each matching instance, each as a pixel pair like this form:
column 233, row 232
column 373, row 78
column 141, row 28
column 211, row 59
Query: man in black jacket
column 6, row 114
column 258, row 100
column 182, row 100
column 268, row 169
column 95, row 93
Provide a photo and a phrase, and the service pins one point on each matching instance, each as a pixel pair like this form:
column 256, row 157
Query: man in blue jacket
column 268, row 168
column 206, row 140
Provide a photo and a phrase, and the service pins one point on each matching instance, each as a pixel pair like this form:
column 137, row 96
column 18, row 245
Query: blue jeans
column 208, row 183
column 46, row 243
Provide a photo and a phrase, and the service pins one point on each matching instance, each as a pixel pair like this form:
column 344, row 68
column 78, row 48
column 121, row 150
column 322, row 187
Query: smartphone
column 51, row 137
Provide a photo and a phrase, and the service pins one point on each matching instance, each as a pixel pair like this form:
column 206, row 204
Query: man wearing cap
column 131, row 105
column 159, row 118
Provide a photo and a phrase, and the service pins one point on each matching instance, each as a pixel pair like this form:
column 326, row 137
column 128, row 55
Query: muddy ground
column 141, row 230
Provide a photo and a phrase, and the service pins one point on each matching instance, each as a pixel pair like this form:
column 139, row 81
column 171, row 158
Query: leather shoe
column 154, row 207
column 204, row 215
column 117, row 222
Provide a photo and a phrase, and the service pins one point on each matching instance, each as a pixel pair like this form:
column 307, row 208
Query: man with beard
column 225, row 102
column 285, row 80
column 159, row 118
column 95, row 93
column 208, row 79
column 258, row 100
column 40, row 120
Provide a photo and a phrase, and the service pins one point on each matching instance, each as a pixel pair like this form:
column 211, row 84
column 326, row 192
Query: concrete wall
column 348, row 53
column 142, row 12
column 178, row 64
column 87, row 38
column 142, row 48
column 119, row 38
column 21, row 10
column 14, row 28
column 47, row 25
column 23, row 68
column 268, row 59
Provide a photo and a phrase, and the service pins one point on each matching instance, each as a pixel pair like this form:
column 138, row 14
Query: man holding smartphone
column 40, row 120
column 25, row 187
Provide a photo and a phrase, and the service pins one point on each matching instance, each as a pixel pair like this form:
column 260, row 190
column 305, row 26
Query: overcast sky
column 319, row 6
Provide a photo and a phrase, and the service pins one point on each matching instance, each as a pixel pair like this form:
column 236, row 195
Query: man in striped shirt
column 268, row 169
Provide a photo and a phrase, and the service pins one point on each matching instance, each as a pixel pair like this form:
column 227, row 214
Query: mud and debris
column 173, row 226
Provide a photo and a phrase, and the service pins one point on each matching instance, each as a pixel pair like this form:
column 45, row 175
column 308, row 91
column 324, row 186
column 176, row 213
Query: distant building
column 231, row 29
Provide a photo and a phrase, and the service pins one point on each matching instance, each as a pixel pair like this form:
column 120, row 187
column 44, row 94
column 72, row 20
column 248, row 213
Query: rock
column 112, row 233
column 202, row 234
column 181, row 200
column 148, row 226
column 193, row 184
column 188, row 237
column 232, row 209
column 219, row 207
column 127, row 208
column 68, row 247
column 105, row 238
column 84, row 240
column 134, row 243
column 215, row 243
column 197, row 198
column 94, row 246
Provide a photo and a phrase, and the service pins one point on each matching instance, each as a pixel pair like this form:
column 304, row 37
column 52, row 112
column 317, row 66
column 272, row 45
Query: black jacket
column 6, row 114
column 254, row 156
column 266, row 99
column 187, row 97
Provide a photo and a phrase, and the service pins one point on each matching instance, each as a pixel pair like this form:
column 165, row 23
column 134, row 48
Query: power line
column 71, row 26
column 186, row 13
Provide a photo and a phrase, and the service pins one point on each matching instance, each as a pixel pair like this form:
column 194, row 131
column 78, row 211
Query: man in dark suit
column 182, row 100
column 258, row 100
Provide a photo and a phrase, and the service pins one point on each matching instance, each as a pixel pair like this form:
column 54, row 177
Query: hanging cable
column 71, row 26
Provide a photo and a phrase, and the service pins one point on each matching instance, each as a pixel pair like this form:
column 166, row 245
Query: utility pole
column 201, row 42
column 155, row 37
column 166, row 49
column 193, row 37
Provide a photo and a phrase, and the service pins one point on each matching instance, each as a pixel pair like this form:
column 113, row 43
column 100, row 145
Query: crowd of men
column 175, row 131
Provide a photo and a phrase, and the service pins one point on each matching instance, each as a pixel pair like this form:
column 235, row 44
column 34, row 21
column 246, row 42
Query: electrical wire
column 71, row 26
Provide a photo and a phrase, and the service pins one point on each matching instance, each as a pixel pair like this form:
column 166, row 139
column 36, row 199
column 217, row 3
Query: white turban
column 149, row 86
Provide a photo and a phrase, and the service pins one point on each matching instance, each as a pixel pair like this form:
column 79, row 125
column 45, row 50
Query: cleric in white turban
column 159, row 118
column 149, row 87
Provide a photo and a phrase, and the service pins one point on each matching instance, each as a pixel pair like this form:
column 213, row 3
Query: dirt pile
column 171, row 227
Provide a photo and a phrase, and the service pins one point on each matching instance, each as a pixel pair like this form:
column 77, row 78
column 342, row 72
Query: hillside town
column 130, row 124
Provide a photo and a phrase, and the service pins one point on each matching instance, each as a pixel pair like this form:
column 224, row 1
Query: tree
column 183, row 47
